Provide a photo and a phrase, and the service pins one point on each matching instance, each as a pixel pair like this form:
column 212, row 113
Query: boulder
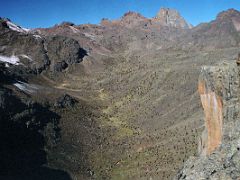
column 65, row 101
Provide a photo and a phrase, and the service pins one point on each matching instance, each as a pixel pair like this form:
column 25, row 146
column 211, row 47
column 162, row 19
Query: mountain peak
column 131, row 14
column 14, row 27
column 164, row 11
column 172, row 17
column 230, row 13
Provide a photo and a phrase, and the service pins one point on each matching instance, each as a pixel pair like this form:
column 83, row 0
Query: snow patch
column 89, row 36
column 17, row 28
column 75, row 30
column 159, row 47
column 25, row 87
column 236, row 24
column 26, row 57
column 37, row 36
column 11, row 60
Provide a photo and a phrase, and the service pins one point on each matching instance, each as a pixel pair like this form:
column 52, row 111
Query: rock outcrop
column 212, row 105
column 65, row 101
column 28, row 130
column 63, row 51
column 219, row 33
column 39, row 52
column 219, row 147
column 171, row 17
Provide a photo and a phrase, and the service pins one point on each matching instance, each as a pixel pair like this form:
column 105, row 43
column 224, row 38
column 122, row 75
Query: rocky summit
column 130, row 98
column 171, row 17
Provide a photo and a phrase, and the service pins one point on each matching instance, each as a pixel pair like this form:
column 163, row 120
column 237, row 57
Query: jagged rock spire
column 172, row 17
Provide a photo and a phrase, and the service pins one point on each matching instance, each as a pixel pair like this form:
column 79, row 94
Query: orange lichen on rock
column 213, row 110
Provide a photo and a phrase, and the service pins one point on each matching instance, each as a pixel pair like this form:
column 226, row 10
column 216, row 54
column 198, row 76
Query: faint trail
column 47, row 79
column 67, row 89
column 77, row 93
column 61, row 86
column 179, row 105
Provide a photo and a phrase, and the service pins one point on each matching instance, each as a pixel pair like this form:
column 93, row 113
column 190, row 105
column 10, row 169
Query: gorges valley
column 122, row 99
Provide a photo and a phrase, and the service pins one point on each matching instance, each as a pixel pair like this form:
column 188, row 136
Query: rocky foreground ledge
column 219, row 146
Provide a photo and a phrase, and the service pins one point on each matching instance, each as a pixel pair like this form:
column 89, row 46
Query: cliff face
column 212, row 105
column 171, row 17
column 219, row 146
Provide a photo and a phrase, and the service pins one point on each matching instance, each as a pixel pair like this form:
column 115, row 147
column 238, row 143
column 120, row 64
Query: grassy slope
column 140, row 117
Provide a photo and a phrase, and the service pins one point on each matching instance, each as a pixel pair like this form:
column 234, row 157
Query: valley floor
column 138, row 118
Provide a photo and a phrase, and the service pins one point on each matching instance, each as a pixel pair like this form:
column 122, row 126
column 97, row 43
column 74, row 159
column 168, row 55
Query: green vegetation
column 139, row 119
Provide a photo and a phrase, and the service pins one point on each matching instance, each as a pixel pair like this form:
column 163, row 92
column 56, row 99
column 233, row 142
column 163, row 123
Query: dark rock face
column 38, row 52
column 65, row 101
column 27, row 131
column 66, row 23
column 59, row 66
column 23, row 137
column 23, row 45
column 63, row 51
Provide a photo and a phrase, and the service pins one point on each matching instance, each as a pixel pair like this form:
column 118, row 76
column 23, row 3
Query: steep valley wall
column 219, row 145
